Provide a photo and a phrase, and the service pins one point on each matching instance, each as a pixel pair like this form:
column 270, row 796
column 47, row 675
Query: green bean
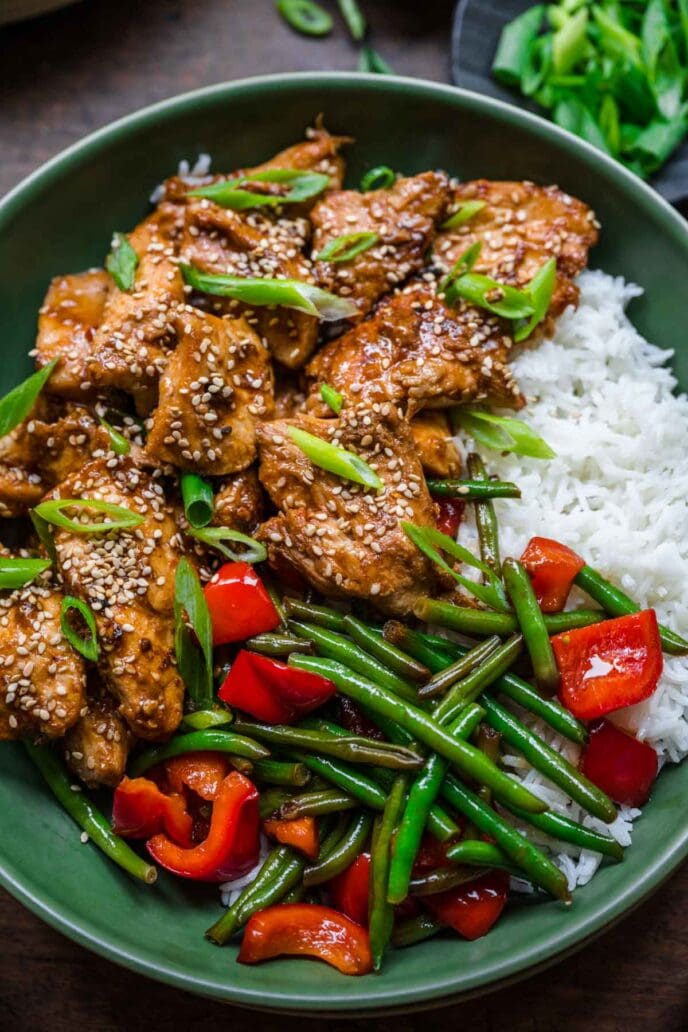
column 617, row 603
column 414, row 643
column 333, row 645
column 344, row 853
column 538, row 868
column 485, row 518
column 469, row 760
column 475, row 853
column 470, row 687
column 559, row 827
column 415, row 929
column 272, row 800
column 244, row 767
column 392, row 657
column 323, row 616
column 277, row 644
column 532, row 623
column 380, row 912
column 276, row 598
column 280, row 873
column 211, row 740
column 441, row 879
column 423, row 793
column 483, row 621
column 276, row 772
column 549, row 762
column 347, row 778
column 354, row 748
column 316, row 804
column 473, row 489
column 87, row 815
column 459, row 668
column 296, row 894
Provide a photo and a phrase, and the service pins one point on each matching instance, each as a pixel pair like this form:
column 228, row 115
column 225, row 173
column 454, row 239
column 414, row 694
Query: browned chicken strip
column 418, row 353
column 42, row 678
column 240, row 502
column 71, row 313
column 438, row 452
column 127, row 578
column 344, row 539
column 319, row 152
column 97, row 746
column 403, row 217
column 217, row 383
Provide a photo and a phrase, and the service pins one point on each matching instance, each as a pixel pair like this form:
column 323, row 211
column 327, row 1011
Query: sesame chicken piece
column 97, row 746
column 131, row 345
column 290, row 399
column 404, row 218
column 127, row 578
column 520, row 227
column 418, row 353
column 439, row 455
column 42, row 678
column 347, row 540
column 240, row 502
column 217, row 383
column 71, row 313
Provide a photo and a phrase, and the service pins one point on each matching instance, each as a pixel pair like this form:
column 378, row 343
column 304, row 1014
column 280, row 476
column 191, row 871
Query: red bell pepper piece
column 202, row 772
column 301, row 833
column 272, row 691
column 553, row 568
column 619, row 764
column 239, row 604
column 232, row 846
column 473, row 908
column 609, row 665
column 349, row 890
column 307, row 929
column 449, row 515
column 140, row 809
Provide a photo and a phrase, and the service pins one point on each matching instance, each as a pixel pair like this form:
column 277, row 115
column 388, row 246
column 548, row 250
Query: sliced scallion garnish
column 484, row 292
column 334, row 459
column 332, row 398
column 198, row 499
column 462, row 265
column 87, row 645
column 540, row 289
column 118, row 442
column 432, row 542
column 122, row 262
column 15, row 573
column 502, row 433
column 370, row 61
column 304, row 185
column 16, row 406
column 193, row 636
column 464, row 213
column 121, row 518
column 379, row 178
column 44, row 535
column 344, row 248
column 354, row 19
column 305, row 17
column 215, row 537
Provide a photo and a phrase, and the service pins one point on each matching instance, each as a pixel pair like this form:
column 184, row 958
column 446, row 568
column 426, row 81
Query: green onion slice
column 86, row 644
column 514, row 45
column 118, row 442
column 379, row 178
column 304, row 185
column 485, row 292
column 121, row 518
column 353, row 18
column 199, row 500
column 344, row 248
column 15, row 573
column 15, row 406
column 304, row 297
column 332, row 398
column 215, row 537
column 305, row 17
column 432, row 542
column 370, row 61
column 540, row 289
column 464, row 213
column 193, row 636
column 502, row 433
column 462, row 265
column 44, row 535
column 122, row 262
column 331, row 457
column 201, row 720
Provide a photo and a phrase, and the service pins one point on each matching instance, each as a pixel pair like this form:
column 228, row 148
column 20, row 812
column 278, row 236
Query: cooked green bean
column 211, row 740
column 272, row 799
column 475, row 853
column 392, row 657
column 280, row 873
column 563, row 828
column 277, row 772
column 549, row 762
column 276, row 598
column 473, row 489
column 381, row 912
column 347, row 778
column 469, row 760
column 415, row 644
column 484, row 621
column 441, row 879
column 459, row 669
column 415, row 929
column 470, row 687
column 488, row 741
column 87, row 815
column 277, row 644
column 485, row 518
column 617, row 603
column 316, row 804
column 344, row 853
column 532, row 623
column 323, row 616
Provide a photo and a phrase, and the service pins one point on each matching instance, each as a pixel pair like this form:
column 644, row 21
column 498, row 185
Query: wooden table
column 62, row 76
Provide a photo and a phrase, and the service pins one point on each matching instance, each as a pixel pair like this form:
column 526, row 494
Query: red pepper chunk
column 140, row 809
column 202, row 772
column 310, row 930
column 239, row 604
column 349, row 890
column 619, row 764
column 449, row 515
column 301, row 833
column 553, row 568
column 272, row 691
column 473, row 908
column 232, row 845
column 609, row 665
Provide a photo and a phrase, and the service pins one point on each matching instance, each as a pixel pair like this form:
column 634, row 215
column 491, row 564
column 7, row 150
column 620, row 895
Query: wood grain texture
column 69, row 73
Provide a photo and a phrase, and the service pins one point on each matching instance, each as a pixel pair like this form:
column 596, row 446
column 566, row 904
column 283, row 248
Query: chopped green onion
column 201, row 720
column 122, row 262
column 304, row 297
column 87, row 645
column 305, row 16
column 122, row 519
column 462, row 265
column 118, row 442
column 332, row 398
column 569, row 42
column 228, row 193
column 15, row 406
column 199, row 500
column 540, row 289
column 370, row 61
column 430, row 540
column 485, row 292
column 354, row 19
column 15, row 573
column 502, row 433
column 464, row 213
column 215, row 537
column 331, row 457
column 44, row 535
column 346, row 247
column 379, row 178
column 193, row 636
column 514, row 44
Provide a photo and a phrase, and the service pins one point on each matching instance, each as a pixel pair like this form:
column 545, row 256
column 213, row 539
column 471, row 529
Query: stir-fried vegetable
column 15, row 406
column 198, row 499
column 334, row 459
column 86, row 644
column 122, row 262
column 53, row 512
column 15, row 573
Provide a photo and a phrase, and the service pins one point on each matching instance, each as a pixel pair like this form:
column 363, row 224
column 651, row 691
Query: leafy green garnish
column 15, row 406
column 332, row 398
column 215, row 537
column 432, row 543
column 228, row 193
column 122, row 262
column 346, row 247
column 85, row 644
column 465, row 211
column 15, row 573
column 334, row 459
column 502, row 433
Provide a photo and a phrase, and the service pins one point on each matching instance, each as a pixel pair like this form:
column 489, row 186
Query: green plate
column 61, row 220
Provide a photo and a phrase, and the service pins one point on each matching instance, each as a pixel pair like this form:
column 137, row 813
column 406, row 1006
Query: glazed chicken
column 240, row 502
column 98, row 744
column 71, row 313
column 438, row 453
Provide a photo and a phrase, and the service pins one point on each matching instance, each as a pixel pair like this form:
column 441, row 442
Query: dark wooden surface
column 60, row 77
